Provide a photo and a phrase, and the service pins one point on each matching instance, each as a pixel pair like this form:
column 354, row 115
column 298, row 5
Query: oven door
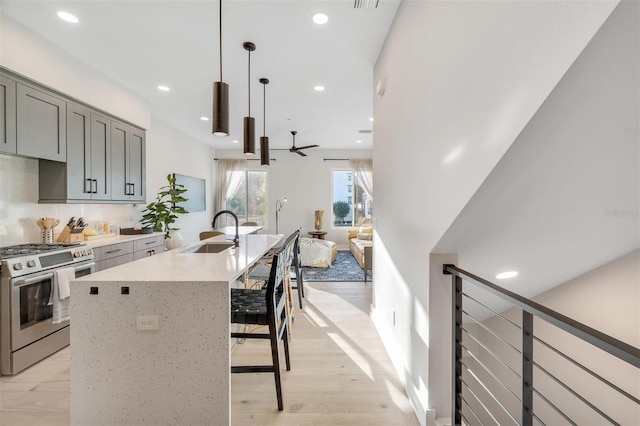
column 31, row 313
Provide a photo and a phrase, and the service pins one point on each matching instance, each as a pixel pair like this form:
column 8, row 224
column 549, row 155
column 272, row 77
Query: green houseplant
column 164, row 211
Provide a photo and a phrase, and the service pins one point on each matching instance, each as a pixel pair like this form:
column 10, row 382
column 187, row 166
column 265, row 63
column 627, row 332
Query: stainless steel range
column 27, row 333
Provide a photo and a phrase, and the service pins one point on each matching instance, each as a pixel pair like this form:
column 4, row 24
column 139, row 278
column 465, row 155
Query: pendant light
column 249, row 122
column 264, row 139
column 220, row 115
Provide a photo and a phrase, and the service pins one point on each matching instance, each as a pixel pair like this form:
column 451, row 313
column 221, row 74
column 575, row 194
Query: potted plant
column 164, row 211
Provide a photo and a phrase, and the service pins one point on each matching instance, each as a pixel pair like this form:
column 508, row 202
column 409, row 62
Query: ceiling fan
column 298, row 150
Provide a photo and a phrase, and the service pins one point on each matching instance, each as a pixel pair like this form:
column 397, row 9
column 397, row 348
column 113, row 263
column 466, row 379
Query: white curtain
column 228, row 180
column 363, row 169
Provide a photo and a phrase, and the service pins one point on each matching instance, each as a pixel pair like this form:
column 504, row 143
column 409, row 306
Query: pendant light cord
column 264, row 109
column 220, row 38
column 249, row 83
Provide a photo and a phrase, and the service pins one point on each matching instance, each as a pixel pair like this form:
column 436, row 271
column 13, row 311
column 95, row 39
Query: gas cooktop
column 30, row 249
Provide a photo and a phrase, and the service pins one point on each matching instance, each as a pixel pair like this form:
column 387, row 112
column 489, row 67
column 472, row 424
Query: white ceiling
column 142, row 44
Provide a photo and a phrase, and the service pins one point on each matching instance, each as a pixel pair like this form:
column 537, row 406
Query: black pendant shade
column 220, row 109
column 264, row 150
column 249, row 135
column 220, row 114
column 264, row 140
column 249, row 122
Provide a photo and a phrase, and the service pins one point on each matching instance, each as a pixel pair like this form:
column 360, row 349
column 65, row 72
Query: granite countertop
column 179, row 265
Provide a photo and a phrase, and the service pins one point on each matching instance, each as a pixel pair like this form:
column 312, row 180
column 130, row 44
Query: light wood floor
column 340, row 373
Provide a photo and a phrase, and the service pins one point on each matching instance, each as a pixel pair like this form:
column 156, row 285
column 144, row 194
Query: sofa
column 358, row 240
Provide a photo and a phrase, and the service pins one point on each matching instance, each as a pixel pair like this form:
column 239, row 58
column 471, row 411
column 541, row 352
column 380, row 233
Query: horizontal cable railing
column 520, row 377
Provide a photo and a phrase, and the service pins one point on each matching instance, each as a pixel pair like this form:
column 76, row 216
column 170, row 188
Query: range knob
column 31, row 263
column 76, row 254
column 17, row 266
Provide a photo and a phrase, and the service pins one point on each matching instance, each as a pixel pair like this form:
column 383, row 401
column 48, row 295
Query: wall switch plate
column 147, row 322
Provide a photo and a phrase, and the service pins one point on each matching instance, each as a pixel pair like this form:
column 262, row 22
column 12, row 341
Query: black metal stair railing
column 497, row 380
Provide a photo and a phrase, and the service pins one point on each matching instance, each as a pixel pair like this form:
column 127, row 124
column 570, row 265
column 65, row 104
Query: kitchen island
column 150, row 339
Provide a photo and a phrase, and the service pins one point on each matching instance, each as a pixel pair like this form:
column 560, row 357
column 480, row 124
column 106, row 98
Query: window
column 249, row 201
column 351, row 204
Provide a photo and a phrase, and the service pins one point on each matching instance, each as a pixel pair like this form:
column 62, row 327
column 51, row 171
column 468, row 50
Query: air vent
column 365, row 131
column 365, row 4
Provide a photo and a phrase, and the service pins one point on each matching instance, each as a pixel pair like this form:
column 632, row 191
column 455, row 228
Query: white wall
column 306, row 182
column 34, row 57
column 462, row 80
column 168, row 151
column 607, row 299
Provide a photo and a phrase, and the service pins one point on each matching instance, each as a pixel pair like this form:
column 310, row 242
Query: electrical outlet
column 147, row 322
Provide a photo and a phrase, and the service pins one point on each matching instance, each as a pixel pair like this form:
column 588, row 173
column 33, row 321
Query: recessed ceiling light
column 163, row 88
column 371, row 119
column 505, row 275
column 204, row 118
column 319, row 88
column 358, row 141
column 320, row 18
column 66, row 16
column 236, row 141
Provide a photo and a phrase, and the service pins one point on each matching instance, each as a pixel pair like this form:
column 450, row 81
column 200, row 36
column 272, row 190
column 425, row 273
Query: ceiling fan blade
column 301, row 153
column 308, row 146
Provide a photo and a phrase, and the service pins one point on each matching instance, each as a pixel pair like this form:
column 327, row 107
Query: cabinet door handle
column 150, row 242
column 94, row 191
column 87, row 190
column 133, row 189
column 113, row 251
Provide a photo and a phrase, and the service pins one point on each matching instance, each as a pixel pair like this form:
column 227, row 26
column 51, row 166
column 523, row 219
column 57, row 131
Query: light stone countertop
column 118, row 239
column 178, row 265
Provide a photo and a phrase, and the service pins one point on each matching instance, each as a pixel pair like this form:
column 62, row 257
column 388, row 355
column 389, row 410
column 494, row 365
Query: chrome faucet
column 236, row 239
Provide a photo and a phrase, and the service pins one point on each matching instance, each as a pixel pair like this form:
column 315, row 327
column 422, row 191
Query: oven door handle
column 28, row 281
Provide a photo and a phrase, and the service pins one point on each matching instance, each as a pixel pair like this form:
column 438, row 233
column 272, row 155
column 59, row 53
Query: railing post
column 457, row 350
column 527, row 368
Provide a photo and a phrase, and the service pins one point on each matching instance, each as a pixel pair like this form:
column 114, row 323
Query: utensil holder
column 47, row 236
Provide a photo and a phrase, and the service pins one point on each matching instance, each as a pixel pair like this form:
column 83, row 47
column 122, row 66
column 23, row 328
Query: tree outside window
column 351, row 205
column 250, row 200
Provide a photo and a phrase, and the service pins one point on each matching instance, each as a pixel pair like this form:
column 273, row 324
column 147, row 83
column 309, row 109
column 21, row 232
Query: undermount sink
column 210, row 247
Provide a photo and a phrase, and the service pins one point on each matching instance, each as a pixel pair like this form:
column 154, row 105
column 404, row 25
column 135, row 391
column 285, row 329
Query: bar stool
column 266, row 306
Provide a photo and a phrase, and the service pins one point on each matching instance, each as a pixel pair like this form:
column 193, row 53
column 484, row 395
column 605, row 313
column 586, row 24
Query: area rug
column 345, row 268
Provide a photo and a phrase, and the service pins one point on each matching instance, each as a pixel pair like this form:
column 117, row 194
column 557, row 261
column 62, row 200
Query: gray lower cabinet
column 7, row 115
column 128, row 162
column 86, row 175
column 40, row 124
column 113, row 255
column 148, row 247
column 120, row 253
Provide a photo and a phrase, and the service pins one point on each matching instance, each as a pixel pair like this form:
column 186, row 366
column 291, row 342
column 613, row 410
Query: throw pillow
column 365, row 236
column 366, row 230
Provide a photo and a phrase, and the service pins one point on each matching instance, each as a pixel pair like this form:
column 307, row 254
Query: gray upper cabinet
column 88, row 170
column 128, row 162
column 84, row 155
column 7, row 115
column 41, row 124
column 101, row 168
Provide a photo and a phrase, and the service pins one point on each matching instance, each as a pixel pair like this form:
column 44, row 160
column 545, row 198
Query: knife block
column 67, row 237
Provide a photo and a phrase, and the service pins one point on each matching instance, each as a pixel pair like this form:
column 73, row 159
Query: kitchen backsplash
column 19, row 208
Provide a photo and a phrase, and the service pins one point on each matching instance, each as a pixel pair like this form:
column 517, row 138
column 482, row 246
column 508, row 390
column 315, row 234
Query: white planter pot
column 175, row 240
